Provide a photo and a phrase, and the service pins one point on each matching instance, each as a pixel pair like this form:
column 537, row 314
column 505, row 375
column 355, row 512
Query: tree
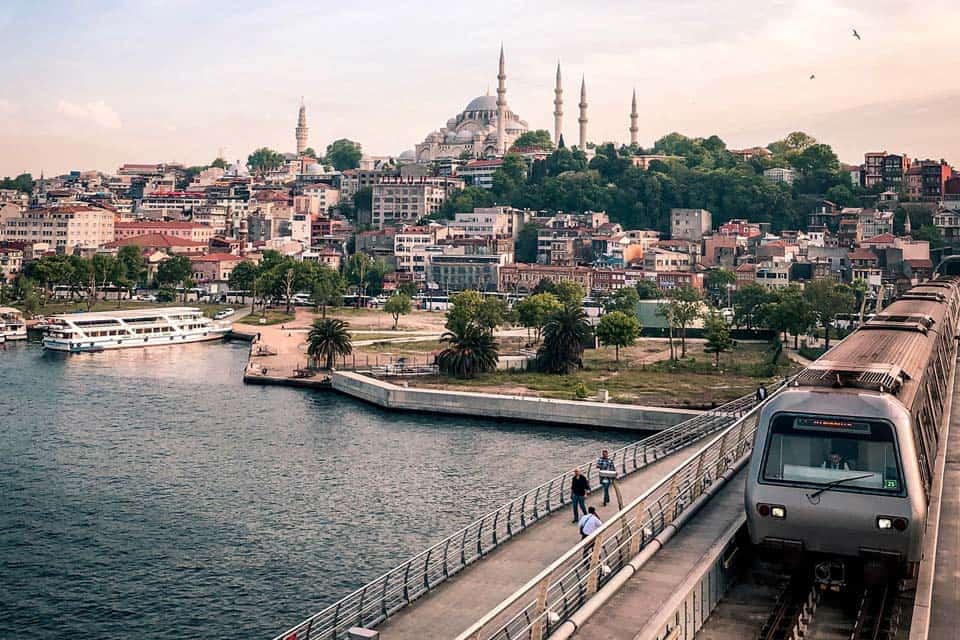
column 471, row 350
column 619, row 330
column 509, row 176
column 648, row 290
column 569, row 292
column 264, row 160
column 828, row 298
column 931, row 234
column 748, row 305
column 471, row 307
column 23, row 182
column 104, row 270
column 718, row 282
column 294, row 276
column 329, row 339
column 796, row 311
column 538, row 139
column 344, row 154
column 219, row 163
column 525, row 246
column 357, row 271
column 686, row 303
column 624, row 300
column 242, row 278
column 717, row 334
column 310, row 153
column 326, row 289
column 564, row 336
column 132, row 267
column 363, row 199
column 398, row 305
column 534, row 311
column 409, row 289
column 175, row 271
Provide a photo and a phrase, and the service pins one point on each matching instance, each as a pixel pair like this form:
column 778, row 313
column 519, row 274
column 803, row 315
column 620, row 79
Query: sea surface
column 149, row 493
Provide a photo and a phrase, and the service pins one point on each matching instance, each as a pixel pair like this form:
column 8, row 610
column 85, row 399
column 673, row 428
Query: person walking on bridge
column 579, row 485
column 604, row 463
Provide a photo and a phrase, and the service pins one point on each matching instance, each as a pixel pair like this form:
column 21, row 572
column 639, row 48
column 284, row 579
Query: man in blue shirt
column 604, row 463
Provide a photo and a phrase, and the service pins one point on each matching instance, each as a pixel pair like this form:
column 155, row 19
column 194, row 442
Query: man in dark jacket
column 579, row 485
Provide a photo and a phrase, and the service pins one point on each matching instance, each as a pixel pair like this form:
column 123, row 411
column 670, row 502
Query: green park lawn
column 690, row 383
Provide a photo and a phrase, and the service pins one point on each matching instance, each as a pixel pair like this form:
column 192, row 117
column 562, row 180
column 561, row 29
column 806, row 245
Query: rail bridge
column 671, row 561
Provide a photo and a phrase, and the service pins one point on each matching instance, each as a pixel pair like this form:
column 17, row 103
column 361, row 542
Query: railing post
column 539, row 612
column 593, row 578
column 638, row 530
column 721, row 456
column 697, row 488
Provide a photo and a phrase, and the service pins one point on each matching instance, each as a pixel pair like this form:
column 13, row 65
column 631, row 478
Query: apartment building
column 398, row 202
column 189, row 230
column 458, row 272
column 63, row 227
column 690, row 224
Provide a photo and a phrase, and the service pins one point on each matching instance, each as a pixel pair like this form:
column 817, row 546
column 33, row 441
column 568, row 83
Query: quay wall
column 487, row 405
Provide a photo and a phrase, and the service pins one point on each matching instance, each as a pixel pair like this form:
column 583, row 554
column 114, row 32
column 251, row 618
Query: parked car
column 226, row 313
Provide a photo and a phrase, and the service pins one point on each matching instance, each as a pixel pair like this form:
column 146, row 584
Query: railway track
column 803, row 610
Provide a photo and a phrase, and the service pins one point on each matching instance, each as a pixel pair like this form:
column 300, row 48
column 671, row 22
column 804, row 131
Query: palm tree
column 472, row 350
column 328, row 339
column 563, row 337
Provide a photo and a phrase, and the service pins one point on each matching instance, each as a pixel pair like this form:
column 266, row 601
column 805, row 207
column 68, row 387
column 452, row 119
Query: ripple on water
column 150, row 492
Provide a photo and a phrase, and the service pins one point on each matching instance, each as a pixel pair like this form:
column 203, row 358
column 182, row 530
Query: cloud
column 98, row 113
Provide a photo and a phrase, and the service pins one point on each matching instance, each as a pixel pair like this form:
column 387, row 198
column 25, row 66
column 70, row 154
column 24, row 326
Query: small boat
column 12, row 324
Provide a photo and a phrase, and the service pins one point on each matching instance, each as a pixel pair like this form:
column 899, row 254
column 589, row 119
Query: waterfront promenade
column 278, row 356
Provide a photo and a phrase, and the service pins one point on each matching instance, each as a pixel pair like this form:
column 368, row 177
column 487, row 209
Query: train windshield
column 816, row 450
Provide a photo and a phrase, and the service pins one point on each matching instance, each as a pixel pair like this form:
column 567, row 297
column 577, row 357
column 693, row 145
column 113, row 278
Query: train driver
column 835, row 461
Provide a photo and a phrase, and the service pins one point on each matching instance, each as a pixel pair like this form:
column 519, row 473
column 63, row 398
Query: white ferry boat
column 99, row 331
column 12, row 325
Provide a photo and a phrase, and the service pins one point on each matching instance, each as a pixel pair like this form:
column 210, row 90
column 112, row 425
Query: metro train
column 843, row 458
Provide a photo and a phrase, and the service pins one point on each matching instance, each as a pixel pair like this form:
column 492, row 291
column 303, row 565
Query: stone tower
column 302, row 129
column 907, row 227
column 558, row 110
column 634, row 117
column 583, row 114
column 501, row 107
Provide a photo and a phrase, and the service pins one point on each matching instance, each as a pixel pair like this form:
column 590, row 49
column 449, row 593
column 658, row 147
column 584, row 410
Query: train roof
column 890, row 352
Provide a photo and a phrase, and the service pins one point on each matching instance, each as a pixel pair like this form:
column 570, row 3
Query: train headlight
column 890, row 522
column 775, row 510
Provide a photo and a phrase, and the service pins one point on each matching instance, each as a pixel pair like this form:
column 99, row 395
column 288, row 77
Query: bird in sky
column 812, row 76
column 856, row 35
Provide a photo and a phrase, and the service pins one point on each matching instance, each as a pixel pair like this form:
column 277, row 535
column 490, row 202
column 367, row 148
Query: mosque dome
column 465, row 135
column 408, row 156
column 315, row 169
column 482, row 103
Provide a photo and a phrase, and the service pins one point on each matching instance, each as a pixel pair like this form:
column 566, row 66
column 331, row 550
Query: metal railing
column 537, row 609
column 382, row 597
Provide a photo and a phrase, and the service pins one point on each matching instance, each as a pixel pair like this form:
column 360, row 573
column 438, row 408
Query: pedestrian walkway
column 452, row 607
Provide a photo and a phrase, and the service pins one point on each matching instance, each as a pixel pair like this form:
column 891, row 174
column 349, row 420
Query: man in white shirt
column 589, row 523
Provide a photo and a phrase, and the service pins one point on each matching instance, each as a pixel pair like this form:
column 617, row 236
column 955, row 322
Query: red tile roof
column 216, row 257
column 746, row 268
column 883, row 238
column 862, row 254
column 159, row 225
column 154, row 240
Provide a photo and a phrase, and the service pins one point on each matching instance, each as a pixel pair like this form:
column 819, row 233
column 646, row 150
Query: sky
column 96, row 83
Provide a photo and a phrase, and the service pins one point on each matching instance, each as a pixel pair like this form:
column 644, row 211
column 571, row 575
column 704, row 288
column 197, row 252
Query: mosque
column 487, row 127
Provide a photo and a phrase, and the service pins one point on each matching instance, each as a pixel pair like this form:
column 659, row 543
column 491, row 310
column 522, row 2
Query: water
column 149, row 493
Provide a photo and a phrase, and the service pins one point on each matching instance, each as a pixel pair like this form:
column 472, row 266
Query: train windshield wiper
column 831, row 485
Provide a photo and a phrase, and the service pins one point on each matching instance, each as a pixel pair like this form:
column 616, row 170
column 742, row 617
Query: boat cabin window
column 816, row 450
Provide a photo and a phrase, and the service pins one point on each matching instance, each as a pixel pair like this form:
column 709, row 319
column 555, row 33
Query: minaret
column 302, row 129
column 558, row 110
column 634, row 129
column 583, row 114
column 501, row 107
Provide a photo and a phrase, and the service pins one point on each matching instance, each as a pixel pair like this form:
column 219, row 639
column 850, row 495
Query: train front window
column 816, row 450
